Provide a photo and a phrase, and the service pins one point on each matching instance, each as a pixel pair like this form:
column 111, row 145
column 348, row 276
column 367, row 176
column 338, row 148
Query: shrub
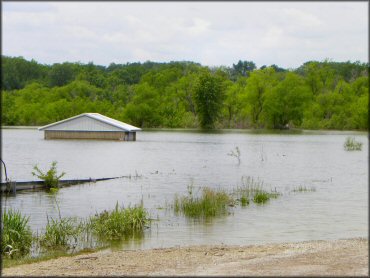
column 50, row 178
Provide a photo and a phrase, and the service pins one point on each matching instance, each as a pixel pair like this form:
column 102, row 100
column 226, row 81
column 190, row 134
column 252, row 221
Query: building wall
column 103, row 135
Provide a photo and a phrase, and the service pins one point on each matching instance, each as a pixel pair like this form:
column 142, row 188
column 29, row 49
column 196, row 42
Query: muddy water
column 163, row 163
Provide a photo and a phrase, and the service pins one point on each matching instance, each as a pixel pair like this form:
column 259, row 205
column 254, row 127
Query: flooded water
column 164, row 163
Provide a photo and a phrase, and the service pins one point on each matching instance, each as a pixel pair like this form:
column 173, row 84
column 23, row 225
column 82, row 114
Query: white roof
column 98, row 117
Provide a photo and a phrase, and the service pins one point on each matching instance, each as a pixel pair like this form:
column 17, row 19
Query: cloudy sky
column 211, row 33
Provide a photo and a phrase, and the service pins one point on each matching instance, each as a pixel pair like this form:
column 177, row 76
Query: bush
column 16, row 233
column 50, row 178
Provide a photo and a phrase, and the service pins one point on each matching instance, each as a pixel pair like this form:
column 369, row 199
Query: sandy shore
column 311, row 258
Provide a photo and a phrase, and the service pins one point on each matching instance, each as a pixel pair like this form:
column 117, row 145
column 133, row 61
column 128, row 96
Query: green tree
column 285, row 103
column 259, row 82
column 61, row 74
column 209, row 95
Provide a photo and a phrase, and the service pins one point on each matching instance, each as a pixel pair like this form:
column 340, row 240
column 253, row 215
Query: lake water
column 168, row 161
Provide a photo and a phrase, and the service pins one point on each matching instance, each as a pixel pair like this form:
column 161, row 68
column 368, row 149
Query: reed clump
column 352, row 145
column 61, row 233
column 119, row 223
column 304, row 189
column 209, row 203
column 253, row 190
column 16, row 234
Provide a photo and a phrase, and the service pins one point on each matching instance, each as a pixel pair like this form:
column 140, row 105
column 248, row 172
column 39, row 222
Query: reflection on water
column 163, row 163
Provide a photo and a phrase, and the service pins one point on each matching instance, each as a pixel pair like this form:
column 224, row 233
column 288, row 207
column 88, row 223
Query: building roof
column 95, row 116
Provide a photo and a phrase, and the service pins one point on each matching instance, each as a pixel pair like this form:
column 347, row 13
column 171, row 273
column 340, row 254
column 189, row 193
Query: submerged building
column 90, row 126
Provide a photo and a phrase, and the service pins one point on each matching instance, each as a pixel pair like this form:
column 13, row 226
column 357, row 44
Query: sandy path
column 311, row 258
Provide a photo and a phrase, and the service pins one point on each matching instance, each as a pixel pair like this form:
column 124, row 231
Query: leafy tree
column 244, row 67
column 209, row 94
column 17, row 72
column 61, row 74
column 143, row 109
column 260, row 82
column 285, row 103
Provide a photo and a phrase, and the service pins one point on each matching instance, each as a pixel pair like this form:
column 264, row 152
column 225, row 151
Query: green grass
column 304, row 189
column 261, row 197
column 210, row 203
column 253, row 190
column 61, row 233
column 119, row 223
column 352, row 145
column 244, row 200
column 16, row 234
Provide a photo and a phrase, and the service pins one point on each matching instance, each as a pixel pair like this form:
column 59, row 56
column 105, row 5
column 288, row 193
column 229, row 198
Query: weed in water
column 244, row 200
column 352, row 145
column 51, row 177
column 61, row 233
column 209, row 204
column 119, row 223
column 261, row 197
column 16, row 234
column 235, row 154
column 304, row 189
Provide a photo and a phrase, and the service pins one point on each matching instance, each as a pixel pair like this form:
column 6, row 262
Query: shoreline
column 310, row 258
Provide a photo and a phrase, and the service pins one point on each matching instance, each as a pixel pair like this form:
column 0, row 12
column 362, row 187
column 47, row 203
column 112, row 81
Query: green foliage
column 243, row 68
column 209, row 94
column 258, row 85
column 352, row 145
column 16, row 234
column 51, row 177
column 261, row 197
column 61, row 74
column 61, row 232
column 317, row 95
column 285, row 103
column 252, row 189
column 211, row 203
column 244, row 200
column 119, row 223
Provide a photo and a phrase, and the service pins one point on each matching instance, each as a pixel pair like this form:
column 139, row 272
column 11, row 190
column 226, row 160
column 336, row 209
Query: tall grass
column 16, row 234
column 352, row 145
column 253, row 190
column 119, row 223
column 210, row 203
column 61, row 233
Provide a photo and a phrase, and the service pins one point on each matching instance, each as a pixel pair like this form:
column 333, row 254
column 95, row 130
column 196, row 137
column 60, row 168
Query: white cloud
column 212, row 33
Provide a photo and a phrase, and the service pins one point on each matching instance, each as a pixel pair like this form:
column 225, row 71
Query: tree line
column 317, row 95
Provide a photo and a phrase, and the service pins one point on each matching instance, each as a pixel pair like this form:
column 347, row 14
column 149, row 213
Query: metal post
column 6, row 175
